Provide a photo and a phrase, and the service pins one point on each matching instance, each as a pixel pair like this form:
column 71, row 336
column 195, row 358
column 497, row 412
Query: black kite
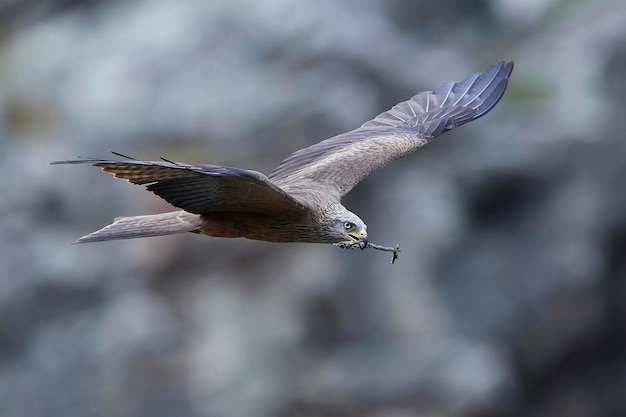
column 300, row 200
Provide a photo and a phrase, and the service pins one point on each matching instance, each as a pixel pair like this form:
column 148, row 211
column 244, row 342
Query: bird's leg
column 349, row 244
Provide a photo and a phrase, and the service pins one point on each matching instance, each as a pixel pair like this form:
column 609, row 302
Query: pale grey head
column 340, row 224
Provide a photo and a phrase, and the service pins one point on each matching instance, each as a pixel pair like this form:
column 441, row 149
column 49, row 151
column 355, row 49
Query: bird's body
column 300, row 200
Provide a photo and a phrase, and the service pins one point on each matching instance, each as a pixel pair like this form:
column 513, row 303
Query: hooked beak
column 360, row 236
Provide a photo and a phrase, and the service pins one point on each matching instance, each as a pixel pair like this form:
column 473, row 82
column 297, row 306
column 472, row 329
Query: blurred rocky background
column 509, row 298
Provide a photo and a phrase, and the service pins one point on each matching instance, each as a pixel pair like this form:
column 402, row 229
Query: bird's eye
column 348, row 225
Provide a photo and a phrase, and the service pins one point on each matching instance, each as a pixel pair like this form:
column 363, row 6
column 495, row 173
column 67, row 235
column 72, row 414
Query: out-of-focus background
column 509, row 298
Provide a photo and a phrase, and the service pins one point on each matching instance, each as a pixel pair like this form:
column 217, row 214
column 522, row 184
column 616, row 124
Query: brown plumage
column 300, row 200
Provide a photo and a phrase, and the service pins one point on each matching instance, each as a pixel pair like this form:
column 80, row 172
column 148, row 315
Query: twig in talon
column 349, row 244
column 396, row 250
column 359, row 245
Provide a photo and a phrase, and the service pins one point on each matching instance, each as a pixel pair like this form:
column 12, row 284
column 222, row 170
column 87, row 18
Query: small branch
column 359, row 245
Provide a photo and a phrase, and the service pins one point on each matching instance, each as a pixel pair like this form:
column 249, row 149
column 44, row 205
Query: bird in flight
column 300, row 201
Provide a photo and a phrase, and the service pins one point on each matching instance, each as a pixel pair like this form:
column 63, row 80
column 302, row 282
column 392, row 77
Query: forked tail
column 146, row 226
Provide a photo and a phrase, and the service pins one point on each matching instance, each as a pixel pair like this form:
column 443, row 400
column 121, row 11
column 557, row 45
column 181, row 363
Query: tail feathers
column 146, row 226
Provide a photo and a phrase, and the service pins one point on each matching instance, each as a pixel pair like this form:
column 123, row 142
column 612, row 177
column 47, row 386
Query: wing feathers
column 478, row 91
column 201, row 189
column 329, row 168
column 344, row 160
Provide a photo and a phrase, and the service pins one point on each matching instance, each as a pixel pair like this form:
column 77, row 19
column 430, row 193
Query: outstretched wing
column 344, row 160
column 201, row 189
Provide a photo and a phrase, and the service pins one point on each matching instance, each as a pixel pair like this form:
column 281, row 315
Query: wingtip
column 501, row 68
column 507, row 66
column 90, row 160
column 79, row 160
column 498, row 75
column 62, row 162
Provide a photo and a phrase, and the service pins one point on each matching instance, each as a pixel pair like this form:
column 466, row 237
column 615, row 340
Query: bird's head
column 347, row 226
